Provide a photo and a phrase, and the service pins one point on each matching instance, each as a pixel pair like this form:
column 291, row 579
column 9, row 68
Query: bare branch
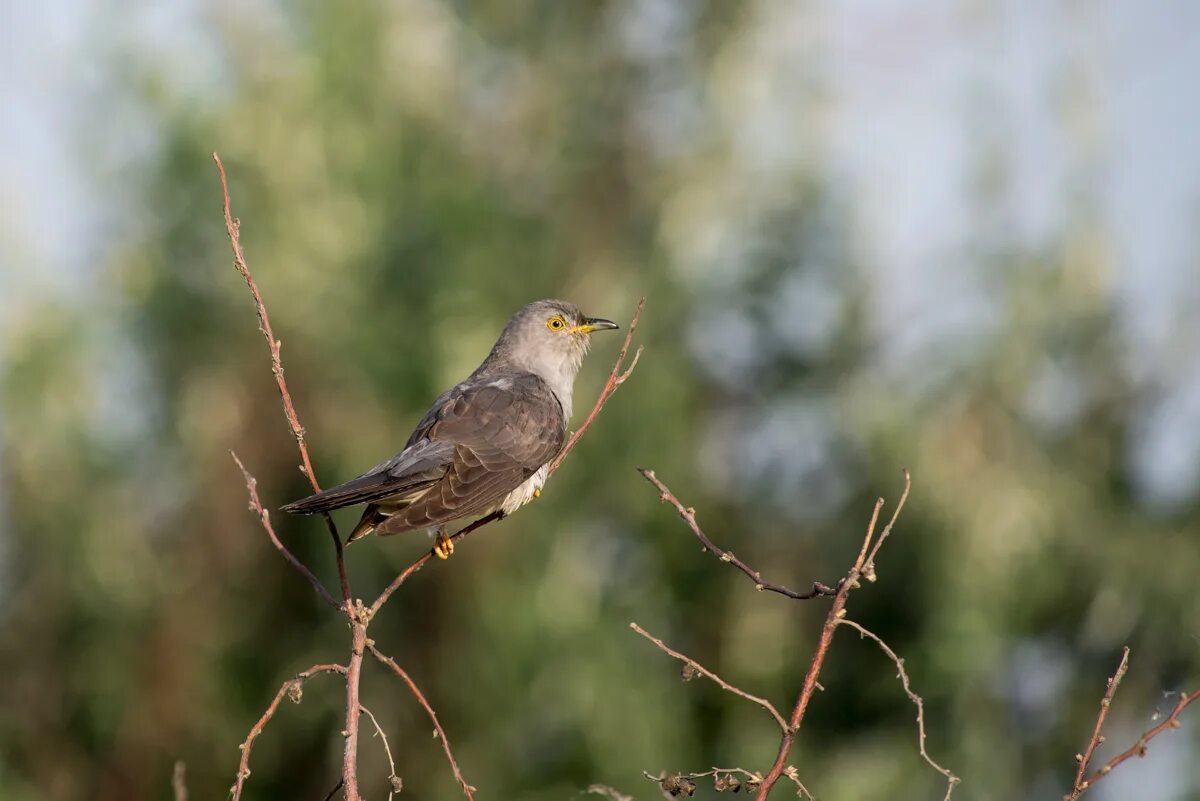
column 689, row 516
column 1097, row 736
column 265, row 518
column 292, row 688
column 233, row 228
column 951, row 779
column 836, row 612
column 393, row 780
column 708, row 674
column 467, row 789
column 607, row 792
column 179, row 781
column 868, row 570
column 1138, row 749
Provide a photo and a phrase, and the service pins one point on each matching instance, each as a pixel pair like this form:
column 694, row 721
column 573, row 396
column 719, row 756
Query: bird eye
column 556, row 323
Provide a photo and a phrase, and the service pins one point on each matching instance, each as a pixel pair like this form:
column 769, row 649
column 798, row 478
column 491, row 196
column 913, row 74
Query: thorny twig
column 951, row 779
column 393, row 779
column 1138, row 749
column 467, row 789
column 836, row 612
column 265, row 518
column 689, row 516
column 233, row 227
column 293, row 688
column 708, row 674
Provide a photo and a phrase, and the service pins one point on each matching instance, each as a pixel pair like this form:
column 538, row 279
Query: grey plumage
column 485, row 444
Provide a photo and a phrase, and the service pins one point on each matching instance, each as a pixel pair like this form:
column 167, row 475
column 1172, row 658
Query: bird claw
column 444, row 546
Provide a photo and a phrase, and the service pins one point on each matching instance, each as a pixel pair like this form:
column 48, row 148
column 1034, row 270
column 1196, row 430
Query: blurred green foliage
column 408, row 175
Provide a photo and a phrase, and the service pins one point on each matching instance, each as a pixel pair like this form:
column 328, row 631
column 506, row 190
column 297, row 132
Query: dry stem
column 393, row 779
column 703, row 671
column 836, row 612
column 290, row 687
column 1138, row 749
column 233, row 228
column 951, row 779
column 179, row 781
column 467, row 789
column 689, row 516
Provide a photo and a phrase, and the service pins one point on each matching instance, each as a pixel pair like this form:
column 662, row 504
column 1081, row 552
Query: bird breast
column 525, row 492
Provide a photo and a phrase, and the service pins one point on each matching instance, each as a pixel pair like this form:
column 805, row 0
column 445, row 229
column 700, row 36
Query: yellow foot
column 444, row 545
column 537, row 493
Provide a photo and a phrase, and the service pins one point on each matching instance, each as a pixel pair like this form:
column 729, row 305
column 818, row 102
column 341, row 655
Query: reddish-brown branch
column 708, row 674
column 358, row 640
column 292, row 687
column 233, row 228
column 265, row 518
column 918, row 701
column 1097, row 732
column 836, row 612
column 616, row 378
column 689, row 516
column 1138, row 749
column 467, row 789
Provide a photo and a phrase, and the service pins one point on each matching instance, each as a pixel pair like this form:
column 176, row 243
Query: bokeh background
column 954, row 237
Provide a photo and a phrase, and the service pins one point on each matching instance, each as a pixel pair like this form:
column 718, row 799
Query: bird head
column 549, row 338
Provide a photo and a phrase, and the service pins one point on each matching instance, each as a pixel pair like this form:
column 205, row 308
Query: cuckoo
column 486, row 445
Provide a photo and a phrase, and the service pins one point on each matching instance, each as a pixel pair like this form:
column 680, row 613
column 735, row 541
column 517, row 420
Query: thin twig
column 608, row 792
column 265, row 518
column 293, row 688
column 393, row 779
column 329, row 796
column 951, row 779
column 689, row 516
column 179, row 781
column 1138, row 749
column 615, row 379
column 836, row 612
column 868, row 570
column 233, row 228
column 467, row 789
column 422, row 561
column 1097, row 733
column 708, row 674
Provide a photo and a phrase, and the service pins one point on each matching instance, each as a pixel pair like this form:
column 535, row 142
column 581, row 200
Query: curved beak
column 591, row 324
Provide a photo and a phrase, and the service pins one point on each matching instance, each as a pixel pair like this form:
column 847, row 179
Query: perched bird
column 487, row 443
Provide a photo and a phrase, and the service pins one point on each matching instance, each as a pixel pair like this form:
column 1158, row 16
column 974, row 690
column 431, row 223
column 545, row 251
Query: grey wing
column 413, row 470
column 501, row 431
column 478, row 442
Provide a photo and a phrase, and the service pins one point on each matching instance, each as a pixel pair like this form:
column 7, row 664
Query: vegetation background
column 954, row 237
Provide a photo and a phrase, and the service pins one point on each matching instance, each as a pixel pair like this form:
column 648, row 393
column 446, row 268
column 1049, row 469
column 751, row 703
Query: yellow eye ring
column 556, row 323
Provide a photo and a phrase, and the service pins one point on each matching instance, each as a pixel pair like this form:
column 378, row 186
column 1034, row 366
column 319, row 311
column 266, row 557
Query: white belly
column 524, row 493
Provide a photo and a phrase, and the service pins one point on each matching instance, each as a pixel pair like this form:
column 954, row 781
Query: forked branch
column 294, row 689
